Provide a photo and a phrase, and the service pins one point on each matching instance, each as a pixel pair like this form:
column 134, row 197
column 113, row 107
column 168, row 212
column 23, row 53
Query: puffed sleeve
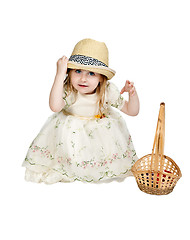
column 69, row 98
column 113, row 96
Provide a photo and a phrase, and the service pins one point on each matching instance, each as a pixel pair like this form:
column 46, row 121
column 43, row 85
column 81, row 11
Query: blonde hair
column 100, row 90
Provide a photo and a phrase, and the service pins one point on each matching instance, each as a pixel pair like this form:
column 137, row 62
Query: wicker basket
column 156, row 173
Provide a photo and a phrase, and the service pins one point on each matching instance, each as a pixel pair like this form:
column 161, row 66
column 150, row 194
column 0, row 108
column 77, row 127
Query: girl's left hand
column 129, row 87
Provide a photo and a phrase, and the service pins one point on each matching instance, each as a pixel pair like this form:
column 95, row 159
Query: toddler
column 85, row 139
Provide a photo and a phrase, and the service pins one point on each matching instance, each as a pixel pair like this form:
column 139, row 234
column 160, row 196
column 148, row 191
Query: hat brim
column 108, row 72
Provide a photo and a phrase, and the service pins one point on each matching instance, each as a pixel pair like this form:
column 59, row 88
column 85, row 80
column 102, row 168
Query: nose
column 83, row 77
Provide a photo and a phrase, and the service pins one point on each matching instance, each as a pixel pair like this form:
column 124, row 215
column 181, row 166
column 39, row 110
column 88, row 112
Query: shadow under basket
column 156, row 173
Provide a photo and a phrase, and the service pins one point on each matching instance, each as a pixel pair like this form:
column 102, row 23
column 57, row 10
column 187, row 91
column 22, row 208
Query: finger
column 127, row 82
column 132, row 91
column 122, row 90
column 64, row 58
column 131, row 84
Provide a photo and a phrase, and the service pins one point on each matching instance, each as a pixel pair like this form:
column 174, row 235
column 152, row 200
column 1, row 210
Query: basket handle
column 158, row 146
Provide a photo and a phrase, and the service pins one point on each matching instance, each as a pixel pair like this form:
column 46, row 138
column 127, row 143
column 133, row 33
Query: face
column 84, row 81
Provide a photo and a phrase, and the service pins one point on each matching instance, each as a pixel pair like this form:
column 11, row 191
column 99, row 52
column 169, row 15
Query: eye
column 91, row 73
column 78, row 71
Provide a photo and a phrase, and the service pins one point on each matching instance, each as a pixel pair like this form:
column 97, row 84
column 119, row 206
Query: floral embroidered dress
column 78, row 144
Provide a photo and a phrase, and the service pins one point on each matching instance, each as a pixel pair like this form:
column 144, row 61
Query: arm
column 130, row 107
column 56, row 101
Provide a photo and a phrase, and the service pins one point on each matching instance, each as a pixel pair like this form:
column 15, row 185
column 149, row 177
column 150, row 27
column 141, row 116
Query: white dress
column 75, row 144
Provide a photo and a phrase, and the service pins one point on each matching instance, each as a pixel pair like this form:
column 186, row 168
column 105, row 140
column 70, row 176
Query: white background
column 148, row 43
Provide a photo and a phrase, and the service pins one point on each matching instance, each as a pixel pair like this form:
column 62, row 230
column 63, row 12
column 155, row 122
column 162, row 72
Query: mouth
column 81, row 85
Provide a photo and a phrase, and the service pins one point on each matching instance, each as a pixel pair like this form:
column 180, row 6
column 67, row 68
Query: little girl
column 85, row 139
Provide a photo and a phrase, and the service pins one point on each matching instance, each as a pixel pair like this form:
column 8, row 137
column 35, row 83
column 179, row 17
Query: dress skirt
column 70, row 148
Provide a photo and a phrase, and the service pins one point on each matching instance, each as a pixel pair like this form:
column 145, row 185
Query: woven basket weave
column 156, row 173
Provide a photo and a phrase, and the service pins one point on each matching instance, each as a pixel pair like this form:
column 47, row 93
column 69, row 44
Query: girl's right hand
column 62, row 66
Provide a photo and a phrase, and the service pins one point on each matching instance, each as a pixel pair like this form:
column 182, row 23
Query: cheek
column 73, row 79
column 95, row 83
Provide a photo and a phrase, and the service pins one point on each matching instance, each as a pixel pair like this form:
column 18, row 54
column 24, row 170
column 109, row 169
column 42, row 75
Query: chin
column 85, row 91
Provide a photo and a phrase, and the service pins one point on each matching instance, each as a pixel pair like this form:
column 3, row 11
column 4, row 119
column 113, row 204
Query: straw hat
column 91, row 55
